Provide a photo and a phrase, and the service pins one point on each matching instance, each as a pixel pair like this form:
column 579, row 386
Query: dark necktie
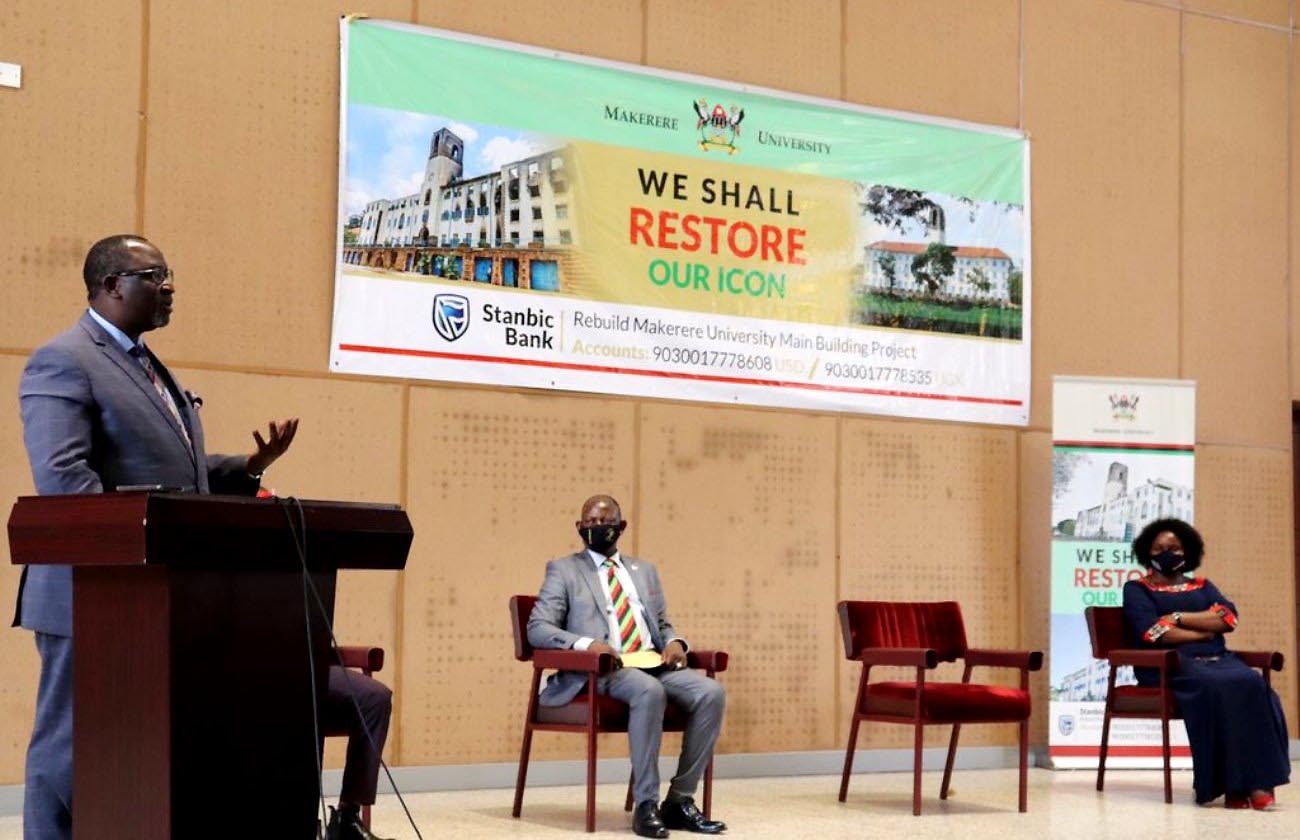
column 142, row 356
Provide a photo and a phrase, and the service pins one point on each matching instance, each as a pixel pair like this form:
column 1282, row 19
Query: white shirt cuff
column 583, row 643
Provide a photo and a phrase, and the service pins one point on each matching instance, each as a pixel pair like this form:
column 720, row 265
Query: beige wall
column 1163, row 220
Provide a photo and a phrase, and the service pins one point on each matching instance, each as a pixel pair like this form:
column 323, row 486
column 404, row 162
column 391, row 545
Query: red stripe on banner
column 667, row 374
column 1119, row 752
column 1162, row 447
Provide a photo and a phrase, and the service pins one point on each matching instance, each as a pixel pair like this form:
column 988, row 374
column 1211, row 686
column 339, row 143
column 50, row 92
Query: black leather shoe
column 685, row 816
column 347, row 826
column 647, row 822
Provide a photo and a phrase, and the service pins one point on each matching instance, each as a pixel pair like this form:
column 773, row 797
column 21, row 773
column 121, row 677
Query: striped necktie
column 629, row 634
column 142, row 357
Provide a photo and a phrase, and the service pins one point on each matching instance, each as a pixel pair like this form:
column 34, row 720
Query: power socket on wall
column 11, row 75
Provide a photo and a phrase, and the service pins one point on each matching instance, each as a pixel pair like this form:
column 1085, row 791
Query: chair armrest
column 1026, row 660
column 367, row 659
column 707, row 660
column 1270, row 660
column 1144, row 658
column 914, row 657
column 573, row 660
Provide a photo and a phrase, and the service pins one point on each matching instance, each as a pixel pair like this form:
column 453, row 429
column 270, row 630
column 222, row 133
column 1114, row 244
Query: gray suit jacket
column 572, row 606
column 92, row 422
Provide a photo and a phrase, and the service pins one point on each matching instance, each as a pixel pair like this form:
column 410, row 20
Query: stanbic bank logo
column 450, row 315
column 718, row 127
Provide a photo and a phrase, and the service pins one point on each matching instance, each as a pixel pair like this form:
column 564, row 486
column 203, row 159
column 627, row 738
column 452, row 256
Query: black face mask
column 1168, row 563
column 600, row 538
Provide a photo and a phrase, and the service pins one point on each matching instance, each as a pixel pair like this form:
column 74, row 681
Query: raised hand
column 279, row 436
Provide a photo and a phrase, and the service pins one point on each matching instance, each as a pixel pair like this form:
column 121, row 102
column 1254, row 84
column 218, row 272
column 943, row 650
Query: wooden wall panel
column 601, row 28
column 69, row 137
column 737, row 510
column 17, row 649
column 958, row 60
column 1295, row 223
column 495, row 483
column 1277, row 12
column 1101, row 105
column 774, row 43
column 1244, row 510
column 241, row 177
column 1035, row 518
column 1234, row 322
column 928, row 513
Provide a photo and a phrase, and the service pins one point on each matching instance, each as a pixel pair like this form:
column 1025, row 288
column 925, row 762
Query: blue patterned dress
column 1234, row 721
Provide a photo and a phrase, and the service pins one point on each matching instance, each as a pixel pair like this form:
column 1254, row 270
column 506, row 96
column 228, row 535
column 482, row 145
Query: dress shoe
column 1263, row 801
column 346, row 825
column 1236, row 801
column 646, row 820
column 684, row 815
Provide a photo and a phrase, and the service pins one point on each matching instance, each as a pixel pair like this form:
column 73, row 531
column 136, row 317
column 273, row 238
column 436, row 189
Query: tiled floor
column 1062, row 804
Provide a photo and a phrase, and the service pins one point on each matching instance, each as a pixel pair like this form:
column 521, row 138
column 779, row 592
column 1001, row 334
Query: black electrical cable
column 300, row 543
column 311, row 666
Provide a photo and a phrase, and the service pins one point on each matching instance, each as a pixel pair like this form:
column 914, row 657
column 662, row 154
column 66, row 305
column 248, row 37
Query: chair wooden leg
column 591, row 782
column 523, row 771
column 708, row 790
column 1164, row 749
column 918, row 741
column 947, row 767
column 1101, row 754
column 848, row 758
column 1024, row 766
column 627, row 803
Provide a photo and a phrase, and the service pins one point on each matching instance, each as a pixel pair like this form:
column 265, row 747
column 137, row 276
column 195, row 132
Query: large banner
column 1122, row 456
column 513, row 216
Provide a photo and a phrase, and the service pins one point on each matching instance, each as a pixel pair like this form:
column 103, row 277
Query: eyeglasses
column 157, row 275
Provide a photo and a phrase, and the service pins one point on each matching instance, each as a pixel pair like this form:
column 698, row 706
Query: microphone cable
column 299, row 533
column 311, row 666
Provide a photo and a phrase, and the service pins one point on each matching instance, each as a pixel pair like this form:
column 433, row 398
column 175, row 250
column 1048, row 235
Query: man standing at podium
column 101, row 412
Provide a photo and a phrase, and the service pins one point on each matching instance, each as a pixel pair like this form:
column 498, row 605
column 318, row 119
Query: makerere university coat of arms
column 718, row 128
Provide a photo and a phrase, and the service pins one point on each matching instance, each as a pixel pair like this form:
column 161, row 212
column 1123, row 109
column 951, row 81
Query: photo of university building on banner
column 561, row 222
column 1122, row 456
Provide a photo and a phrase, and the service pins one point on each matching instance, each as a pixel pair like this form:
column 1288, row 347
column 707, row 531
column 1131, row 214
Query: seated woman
column 1234, row 721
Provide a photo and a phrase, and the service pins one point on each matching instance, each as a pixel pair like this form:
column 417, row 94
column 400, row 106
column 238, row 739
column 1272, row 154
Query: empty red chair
column 921, row 636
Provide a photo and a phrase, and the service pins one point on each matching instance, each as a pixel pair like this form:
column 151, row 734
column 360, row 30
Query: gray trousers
column 47, row 797
column 646, row 695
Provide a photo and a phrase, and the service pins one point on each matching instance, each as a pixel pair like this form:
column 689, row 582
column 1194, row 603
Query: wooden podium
column 192, row 664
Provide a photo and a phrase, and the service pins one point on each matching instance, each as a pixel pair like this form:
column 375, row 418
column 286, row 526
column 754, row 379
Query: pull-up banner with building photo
column 513, row 216
column 1122, row 456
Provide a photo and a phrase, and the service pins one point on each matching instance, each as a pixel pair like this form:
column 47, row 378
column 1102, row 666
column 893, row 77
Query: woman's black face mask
column 1168, row 562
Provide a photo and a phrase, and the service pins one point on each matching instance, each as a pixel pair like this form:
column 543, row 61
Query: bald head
column 600, row 504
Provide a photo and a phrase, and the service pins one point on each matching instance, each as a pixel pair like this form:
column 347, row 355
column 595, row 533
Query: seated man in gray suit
column 101, row 412
column 601, row 601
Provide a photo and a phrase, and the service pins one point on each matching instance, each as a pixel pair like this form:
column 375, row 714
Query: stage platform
column 1062, row 804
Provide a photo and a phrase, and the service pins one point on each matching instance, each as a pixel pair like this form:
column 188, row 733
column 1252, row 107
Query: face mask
column 1167, row 563
column 600, row 538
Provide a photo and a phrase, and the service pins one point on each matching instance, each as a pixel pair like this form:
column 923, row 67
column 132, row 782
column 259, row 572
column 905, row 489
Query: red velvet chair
column 1106, row 629
column 610, row 716
column 921, row 636
column 367, row 660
